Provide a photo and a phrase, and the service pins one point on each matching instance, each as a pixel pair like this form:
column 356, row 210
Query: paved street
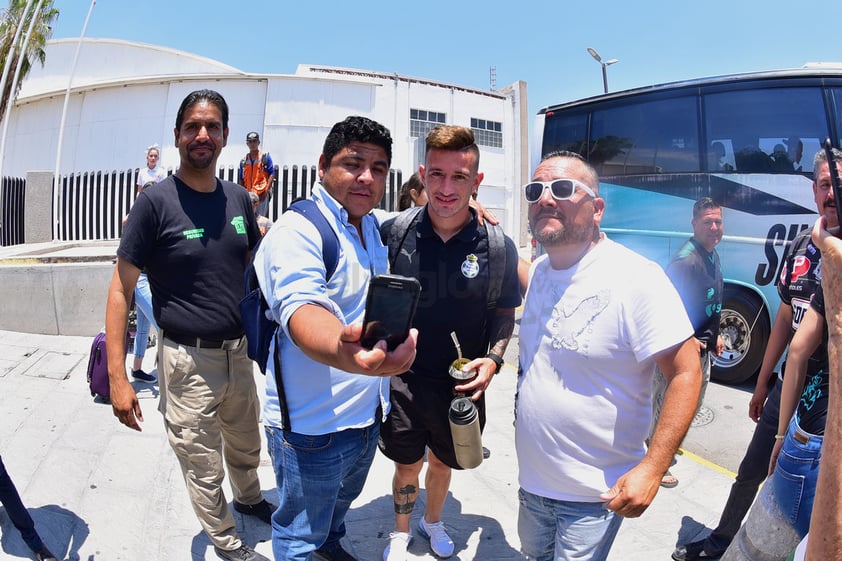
column 101, row 492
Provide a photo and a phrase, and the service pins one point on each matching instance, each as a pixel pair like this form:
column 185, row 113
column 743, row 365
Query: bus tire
column 744, row 326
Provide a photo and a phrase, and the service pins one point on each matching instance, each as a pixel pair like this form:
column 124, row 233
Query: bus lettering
column 778, row 236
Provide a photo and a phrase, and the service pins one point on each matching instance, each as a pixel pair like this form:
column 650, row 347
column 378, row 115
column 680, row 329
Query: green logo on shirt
column 239, row 224
column 194, row 234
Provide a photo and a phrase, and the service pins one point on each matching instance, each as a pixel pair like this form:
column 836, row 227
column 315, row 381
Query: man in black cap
column 257, row 171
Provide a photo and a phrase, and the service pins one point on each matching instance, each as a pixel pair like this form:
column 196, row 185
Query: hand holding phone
column 389, row 310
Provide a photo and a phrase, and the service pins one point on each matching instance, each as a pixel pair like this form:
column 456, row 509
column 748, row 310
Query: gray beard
column 567, row 234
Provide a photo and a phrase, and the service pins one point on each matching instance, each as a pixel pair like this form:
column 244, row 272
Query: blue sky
column 543, row 43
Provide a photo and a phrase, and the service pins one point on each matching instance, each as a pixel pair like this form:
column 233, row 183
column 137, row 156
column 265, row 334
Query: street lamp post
column 605, row 65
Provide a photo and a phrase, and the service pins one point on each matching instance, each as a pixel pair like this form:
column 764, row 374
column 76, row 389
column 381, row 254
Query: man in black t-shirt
column 193, row 235
column 697, row 276
column 448, row 252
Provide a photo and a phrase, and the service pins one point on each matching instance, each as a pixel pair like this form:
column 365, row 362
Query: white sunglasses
column 561, row 189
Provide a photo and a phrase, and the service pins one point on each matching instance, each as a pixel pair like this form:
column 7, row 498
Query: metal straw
column 456, row 342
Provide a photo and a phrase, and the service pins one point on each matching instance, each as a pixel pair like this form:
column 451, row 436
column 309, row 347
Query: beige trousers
column 211, row 411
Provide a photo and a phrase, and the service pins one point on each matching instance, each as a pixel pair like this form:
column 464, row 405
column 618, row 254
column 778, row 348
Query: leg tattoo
column 405, row 499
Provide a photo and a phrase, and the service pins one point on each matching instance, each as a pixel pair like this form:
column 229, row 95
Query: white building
column 125, row 95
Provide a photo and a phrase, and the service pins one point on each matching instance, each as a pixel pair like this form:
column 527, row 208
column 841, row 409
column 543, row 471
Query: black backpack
column 406, row 220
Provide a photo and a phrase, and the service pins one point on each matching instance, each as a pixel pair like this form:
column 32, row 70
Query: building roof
column 110, row 61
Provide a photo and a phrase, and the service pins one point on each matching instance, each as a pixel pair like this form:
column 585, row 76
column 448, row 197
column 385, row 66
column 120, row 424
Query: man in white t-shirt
column 597, row 319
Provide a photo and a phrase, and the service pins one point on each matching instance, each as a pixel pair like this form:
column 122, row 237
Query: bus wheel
column 744, row 327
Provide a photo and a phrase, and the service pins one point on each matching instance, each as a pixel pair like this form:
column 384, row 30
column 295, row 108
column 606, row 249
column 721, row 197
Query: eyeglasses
column 561, row 189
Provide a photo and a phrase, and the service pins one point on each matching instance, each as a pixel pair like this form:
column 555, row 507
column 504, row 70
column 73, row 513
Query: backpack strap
column 402, row 224
column 330, row 241
column 496, row 263
column 279, row 385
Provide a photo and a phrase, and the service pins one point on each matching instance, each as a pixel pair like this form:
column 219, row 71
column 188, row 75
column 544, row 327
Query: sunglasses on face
column 561, row 189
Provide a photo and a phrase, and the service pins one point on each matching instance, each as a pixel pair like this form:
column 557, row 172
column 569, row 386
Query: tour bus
column 746, row 140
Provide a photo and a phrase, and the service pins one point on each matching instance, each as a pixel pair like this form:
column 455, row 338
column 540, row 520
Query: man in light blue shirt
column 337, row 392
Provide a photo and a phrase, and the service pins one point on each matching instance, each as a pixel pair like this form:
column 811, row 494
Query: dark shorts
column 419, row 419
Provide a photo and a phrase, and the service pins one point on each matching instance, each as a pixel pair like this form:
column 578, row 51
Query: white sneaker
column 396, row 550
column 440, row 542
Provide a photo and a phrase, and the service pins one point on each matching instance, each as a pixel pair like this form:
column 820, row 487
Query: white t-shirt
column 145, row 175
column 587, row 339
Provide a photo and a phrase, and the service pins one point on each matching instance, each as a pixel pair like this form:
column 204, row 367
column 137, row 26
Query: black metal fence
column 92, row 205
column 13, row 198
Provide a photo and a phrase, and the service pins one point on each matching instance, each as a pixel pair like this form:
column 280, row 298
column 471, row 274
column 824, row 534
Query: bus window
column 566, row 132
column 771, row 131
column 721, row 155
column 642, row 138
column 837, row 103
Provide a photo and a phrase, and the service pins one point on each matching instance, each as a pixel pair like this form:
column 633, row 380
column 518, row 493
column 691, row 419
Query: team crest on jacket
column 470, row 267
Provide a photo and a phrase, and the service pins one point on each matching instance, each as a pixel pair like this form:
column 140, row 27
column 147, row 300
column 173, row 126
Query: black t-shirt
column 800, row 279
column 812, row 406
column 697, row 276
column 193, row 247
column 454, row 278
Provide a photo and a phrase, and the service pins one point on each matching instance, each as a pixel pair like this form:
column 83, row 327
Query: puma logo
column 408, row 254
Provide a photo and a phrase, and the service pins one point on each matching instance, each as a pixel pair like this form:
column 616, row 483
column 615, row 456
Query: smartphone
column 834, row 179
column 389, row 309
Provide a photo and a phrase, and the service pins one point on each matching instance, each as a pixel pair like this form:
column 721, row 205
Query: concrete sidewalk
column 99, row 491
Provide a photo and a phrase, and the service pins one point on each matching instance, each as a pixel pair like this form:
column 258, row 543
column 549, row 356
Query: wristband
column 498, row 360
column 779, row 436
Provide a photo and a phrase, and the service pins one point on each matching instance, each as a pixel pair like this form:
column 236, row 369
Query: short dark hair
column 210, row 96
column 703, row 204
column 359, row 129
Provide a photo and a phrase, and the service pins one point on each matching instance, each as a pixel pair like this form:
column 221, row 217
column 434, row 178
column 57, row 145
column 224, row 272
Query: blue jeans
column 318, row 478
column 796, row 474
column 553, row 530
column 263, row 206
column 145, row 317
column 17, row 512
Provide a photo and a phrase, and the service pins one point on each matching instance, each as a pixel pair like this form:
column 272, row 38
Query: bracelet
column 779, row 436
column 498, row 360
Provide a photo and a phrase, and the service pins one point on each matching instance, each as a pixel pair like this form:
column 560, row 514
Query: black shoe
column 335, row 554
column 243, row 553
column 262, row 510
column 695, row 550
column 142, row 376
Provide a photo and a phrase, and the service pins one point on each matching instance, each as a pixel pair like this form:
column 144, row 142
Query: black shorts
column 419, row 419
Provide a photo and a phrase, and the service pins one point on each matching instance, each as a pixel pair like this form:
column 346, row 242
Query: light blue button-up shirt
column 291, row 271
